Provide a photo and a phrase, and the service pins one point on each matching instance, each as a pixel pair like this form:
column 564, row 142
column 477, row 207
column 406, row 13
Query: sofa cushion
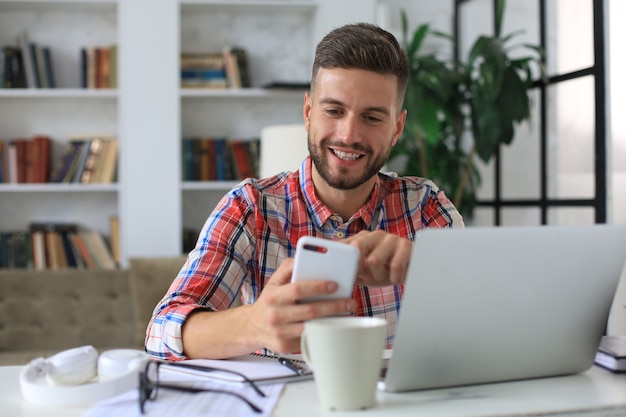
column 59, row 310
column 150, row 279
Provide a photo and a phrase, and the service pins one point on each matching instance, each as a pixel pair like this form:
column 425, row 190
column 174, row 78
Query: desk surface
column 596, row 393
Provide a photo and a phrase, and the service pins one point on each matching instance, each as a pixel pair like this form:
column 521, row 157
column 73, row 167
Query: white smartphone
column 318, row 258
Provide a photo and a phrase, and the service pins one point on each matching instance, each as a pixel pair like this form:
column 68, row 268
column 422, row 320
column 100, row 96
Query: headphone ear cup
column 72, row 367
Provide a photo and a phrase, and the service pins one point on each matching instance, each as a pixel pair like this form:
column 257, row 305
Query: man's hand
column 278, row 318
column 384, row 258
column 275, row 321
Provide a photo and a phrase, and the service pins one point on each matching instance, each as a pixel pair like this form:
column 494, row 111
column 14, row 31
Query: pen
column 291, row 365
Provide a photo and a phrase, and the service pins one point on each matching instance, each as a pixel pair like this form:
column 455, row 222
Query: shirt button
column 339, row 235
column 333, row 218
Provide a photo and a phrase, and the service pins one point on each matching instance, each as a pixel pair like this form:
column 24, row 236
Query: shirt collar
column 321, row 213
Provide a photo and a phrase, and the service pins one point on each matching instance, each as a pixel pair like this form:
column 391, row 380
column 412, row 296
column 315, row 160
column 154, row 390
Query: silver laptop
column 504, row 303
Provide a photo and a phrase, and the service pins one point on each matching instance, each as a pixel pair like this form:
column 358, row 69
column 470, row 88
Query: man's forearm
column 218, row 335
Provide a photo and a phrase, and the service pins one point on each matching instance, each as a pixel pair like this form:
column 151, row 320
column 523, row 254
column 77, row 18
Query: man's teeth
column 346, row 155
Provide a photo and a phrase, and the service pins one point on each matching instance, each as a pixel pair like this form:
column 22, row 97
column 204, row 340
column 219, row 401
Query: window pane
column 521, row 18
column 520, row 216
column 485, row 190
column 570, row 36
column 476, row 18
column 571, row 139
column 571, row 215
column 617, row 198
column 520, row 162
column 483, row 216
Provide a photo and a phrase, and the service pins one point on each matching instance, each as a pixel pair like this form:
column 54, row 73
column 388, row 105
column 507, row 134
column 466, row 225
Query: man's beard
column 341, row 181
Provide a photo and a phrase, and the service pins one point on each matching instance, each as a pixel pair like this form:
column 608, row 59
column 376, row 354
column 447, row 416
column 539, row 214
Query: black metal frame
column 598, row 71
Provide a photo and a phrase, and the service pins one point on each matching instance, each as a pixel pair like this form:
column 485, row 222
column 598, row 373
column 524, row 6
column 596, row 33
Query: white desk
column 596, row 393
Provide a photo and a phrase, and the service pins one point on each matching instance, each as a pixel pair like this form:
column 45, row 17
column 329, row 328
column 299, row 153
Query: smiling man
column 353, row 115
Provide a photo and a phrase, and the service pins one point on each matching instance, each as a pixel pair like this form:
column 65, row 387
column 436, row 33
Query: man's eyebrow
column 328, row 100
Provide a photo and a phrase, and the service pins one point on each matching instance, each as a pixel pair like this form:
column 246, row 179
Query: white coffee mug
column 345, row 354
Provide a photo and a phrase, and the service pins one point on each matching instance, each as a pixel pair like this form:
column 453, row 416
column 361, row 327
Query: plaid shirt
column 257, row 225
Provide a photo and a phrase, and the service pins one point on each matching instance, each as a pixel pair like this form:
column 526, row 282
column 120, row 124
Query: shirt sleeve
column 438, row 210
column 210, row 279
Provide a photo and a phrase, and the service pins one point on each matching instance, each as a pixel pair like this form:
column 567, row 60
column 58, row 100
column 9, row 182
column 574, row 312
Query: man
column 353, row 116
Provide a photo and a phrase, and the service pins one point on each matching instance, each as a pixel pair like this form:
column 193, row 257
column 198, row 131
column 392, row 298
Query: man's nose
column 348, row 129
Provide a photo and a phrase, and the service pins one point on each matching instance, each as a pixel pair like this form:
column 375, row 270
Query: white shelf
column 58, row 5
column 59, row 188
column 208, row 185
column 240, row 93
column 302, row 6
column 38, row 93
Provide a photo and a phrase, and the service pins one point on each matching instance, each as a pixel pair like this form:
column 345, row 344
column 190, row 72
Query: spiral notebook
column 262, row 369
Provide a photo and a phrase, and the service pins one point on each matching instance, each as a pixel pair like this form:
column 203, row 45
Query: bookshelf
column 149, row 112
column 58, row 113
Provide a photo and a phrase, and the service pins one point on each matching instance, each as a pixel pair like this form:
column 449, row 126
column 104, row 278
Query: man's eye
column 333, row 112
column 373, row 119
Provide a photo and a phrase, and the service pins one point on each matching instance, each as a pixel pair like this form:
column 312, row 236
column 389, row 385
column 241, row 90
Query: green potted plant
column 486, row 94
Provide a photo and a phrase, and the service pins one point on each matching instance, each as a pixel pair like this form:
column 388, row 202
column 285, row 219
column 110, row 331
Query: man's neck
column 343, row 202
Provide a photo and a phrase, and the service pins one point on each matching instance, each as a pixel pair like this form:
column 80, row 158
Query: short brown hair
column 363, row 46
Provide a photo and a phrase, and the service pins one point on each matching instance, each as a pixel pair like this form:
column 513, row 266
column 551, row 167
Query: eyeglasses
column 149, row 383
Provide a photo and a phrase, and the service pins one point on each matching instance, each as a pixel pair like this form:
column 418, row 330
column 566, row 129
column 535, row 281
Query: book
column 31, row 161
column 2, row 162
column 41, row 66
column 113, row 66
column 104, row 67
column 38, row 245
column 203, row 70
column 233, row 77
column 262, row 369
column 242, row 65
column 37, row 159
column 52, row 249
column 47, row 61
column 24, row 44
column 64, row 165
column 187, row 154
column 107, row 166
column 90, row 77
column 611, row 353
column 98, row 249
column 114, row 230
column 79, row 163
column 15, row 250
column 85, row 255
column 219, row 158
column 241, row 157
column 45, row 152
column 19, row 145
column 69, row 252
column 94, row 154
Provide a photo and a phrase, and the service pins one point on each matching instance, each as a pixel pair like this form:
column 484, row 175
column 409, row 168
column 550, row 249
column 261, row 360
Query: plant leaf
column 500, row 6
column 487, row 63
column 427, row 116
column 418, row 39
column 515, row 93
column 485, row 127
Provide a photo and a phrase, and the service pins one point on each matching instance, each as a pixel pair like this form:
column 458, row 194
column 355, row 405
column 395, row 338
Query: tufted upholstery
column 151, row 278
column 44, row 312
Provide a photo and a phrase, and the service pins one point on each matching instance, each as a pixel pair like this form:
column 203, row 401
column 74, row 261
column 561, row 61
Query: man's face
column 352, row 121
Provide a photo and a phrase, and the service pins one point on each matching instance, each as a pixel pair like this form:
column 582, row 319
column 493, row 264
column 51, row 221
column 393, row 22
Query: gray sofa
column 42, row 313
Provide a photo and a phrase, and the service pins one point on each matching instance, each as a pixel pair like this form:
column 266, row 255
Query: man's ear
column 400, row 121
column 306, row 110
